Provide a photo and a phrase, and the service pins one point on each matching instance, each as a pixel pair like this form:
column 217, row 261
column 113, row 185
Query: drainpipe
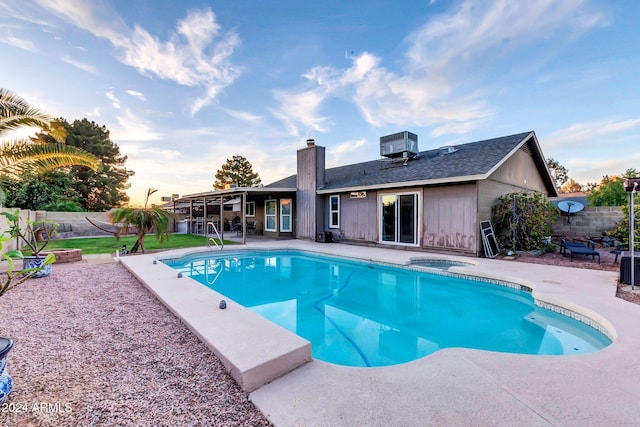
column 244, row 218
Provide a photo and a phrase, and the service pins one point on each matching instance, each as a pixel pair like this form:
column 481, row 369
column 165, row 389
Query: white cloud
column 114, row 101
column 580, row 134
column 136, row 94
column 243, row 115
column 95, row 112
column 343, row 153
column 444, row 56
column 301, row 109
column 196, row 54
column 132, row 128
column 81, row 65
column 8, row 38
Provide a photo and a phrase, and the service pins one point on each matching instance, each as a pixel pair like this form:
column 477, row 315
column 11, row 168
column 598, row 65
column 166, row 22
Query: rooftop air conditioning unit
column 401, row 144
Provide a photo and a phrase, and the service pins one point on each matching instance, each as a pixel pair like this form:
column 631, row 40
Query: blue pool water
column 365, row 314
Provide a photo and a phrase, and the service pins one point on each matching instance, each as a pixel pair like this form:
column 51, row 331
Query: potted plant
column 9, row 280
column 36, row 235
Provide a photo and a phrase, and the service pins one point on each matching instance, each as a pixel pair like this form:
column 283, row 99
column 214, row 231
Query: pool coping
column 456, row 386
column 235, row 334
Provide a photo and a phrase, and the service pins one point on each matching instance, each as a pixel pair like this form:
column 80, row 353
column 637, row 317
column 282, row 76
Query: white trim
column 393, row 185
column 283, row 215
column 253, row 204
column 417, row 219
column 331, row 212
column 238, row 190
column 274, row 215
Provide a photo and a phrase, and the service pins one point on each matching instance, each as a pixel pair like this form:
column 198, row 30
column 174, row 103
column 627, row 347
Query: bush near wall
column 522, row 220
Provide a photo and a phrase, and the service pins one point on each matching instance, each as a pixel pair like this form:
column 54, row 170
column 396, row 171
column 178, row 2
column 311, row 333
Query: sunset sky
column 185, row 85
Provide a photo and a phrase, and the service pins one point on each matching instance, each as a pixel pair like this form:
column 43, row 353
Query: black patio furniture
column 579, row 248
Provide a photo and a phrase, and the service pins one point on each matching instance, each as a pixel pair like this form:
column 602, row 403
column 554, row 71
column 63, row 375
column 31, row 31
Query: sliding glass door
column 399, row 218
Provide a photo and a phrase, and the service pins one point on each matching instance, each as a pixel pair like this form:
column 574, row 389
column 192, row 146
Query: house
column 432, row 199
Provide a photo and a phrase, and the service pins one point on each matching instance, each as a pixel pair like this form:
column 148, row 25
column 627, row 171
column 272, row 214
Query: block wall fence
column 592, row 221
column 76, row 220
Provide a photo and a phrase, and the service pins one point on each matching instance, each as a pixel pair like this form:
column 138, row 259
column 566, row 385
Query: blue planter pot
column 6, row 382
column 33, row 262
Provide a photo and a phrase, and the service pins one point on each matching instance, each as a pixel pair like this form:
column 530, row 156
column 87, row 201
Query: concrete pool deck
column 449, row 387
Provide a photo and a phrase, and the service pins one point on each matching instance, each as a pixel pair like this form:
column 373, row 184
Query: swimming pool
column 369, row 314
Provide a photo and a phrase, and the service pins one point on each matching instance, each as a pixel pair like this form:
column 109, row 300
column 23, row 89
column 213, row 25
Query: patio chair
column 564, row 245
column 236, row 226
column 251, row 227
column 589, row 250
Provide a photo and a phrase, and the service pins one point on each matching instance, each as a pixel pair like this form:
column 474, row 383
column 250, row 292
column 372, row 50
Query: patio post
column 631, row 186
column 632, row 219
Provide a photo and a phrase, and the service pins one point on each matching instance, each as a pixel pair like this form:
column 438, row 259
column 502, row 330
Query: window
column 334, row 211
column 399, row 218
column 250, row 209
column 270, row 215
column 285, row 215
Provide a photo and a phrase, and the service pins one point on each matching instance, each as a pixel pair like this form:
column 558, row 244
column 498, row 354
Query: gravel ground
column 94, row 348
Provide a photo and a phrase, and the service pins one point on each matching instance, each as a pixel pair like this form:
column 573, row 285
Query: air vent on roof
column 447, row 149
column 401, row 144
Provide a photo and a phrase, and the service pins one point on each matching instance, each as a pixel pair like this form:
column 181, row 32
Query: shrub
column 621, row 231
column 522, row 220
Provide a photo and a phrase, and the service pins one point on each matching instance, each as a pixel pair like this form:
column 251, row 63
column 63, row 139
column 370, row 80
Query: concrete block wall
column 4, row 227
column 593, row 221
column 79, row 224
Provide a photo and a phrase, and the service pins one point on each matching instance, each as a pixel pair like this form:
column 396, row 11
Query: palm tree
column 145, row 220
column 21, row 155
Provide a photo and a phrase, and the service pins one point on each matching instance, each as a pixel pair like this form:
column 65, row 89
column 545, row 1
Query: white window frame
column 332, row 211
column 417, row 223
column 267, row 215
column 250, row 209
column 283, row 215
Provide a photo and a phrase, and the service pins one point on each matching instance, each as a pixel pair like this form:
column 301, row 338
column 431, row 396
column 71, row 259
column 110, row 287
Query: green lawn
column 107, row 245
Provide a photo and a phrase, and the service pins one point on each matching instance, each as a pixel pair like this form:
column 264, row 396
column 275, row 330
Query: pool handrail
column 211, row 239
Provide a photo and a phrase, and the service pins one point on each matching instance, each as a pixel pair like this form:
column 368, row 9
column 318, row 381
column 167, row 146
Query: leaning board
column 491, row 249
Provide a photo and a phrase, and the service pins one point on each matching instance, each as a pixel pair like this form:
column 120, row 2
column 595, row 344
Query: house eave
column 403, row 184
column 236, row 191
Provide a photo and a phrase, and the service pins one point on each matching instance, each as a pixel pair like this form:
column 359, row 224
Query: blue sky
column 184, row 85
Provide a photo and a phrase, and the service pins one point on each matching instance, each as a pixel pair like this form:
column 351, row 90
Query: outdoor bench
column 579, row 248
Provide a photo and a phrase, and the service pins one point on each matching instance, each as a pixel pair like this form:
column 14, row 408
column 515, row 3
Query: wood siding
column 358, row 218
column 309, row 206
column 518, row 173
column 449, row 218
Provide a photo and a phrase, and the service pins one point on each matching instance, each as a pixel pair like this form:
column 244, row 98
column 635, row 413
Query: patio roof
column 233, row 192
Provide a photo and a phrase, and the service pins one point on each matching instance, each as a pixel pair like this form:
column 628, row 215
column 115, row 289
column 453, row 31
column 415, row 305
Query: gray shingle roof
column 469, row 160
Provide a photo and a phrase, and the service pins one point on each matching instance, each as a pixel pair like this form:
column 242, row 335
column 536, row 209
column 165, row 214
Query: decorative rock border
column 65, row 255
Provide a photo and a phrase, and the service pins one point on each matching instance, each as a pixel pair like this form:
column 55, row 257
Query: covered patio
column 236, row 213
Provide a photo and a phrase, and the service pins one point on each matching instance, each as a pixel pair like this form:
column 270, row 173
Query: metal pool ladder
column 211, row 226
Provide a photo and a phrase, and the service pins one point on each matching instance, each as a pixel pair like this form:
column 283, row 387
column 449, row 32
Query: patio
column 462, row 386
column 169, row 383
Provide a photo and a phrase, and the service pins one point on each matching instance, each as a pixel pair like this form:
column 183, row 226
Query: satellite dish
column 569, row 207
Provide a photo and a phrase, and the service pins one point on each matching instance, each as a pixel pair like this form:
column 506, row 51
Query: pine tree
column 105, row 188
column 559, row 173
column 238, row 171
